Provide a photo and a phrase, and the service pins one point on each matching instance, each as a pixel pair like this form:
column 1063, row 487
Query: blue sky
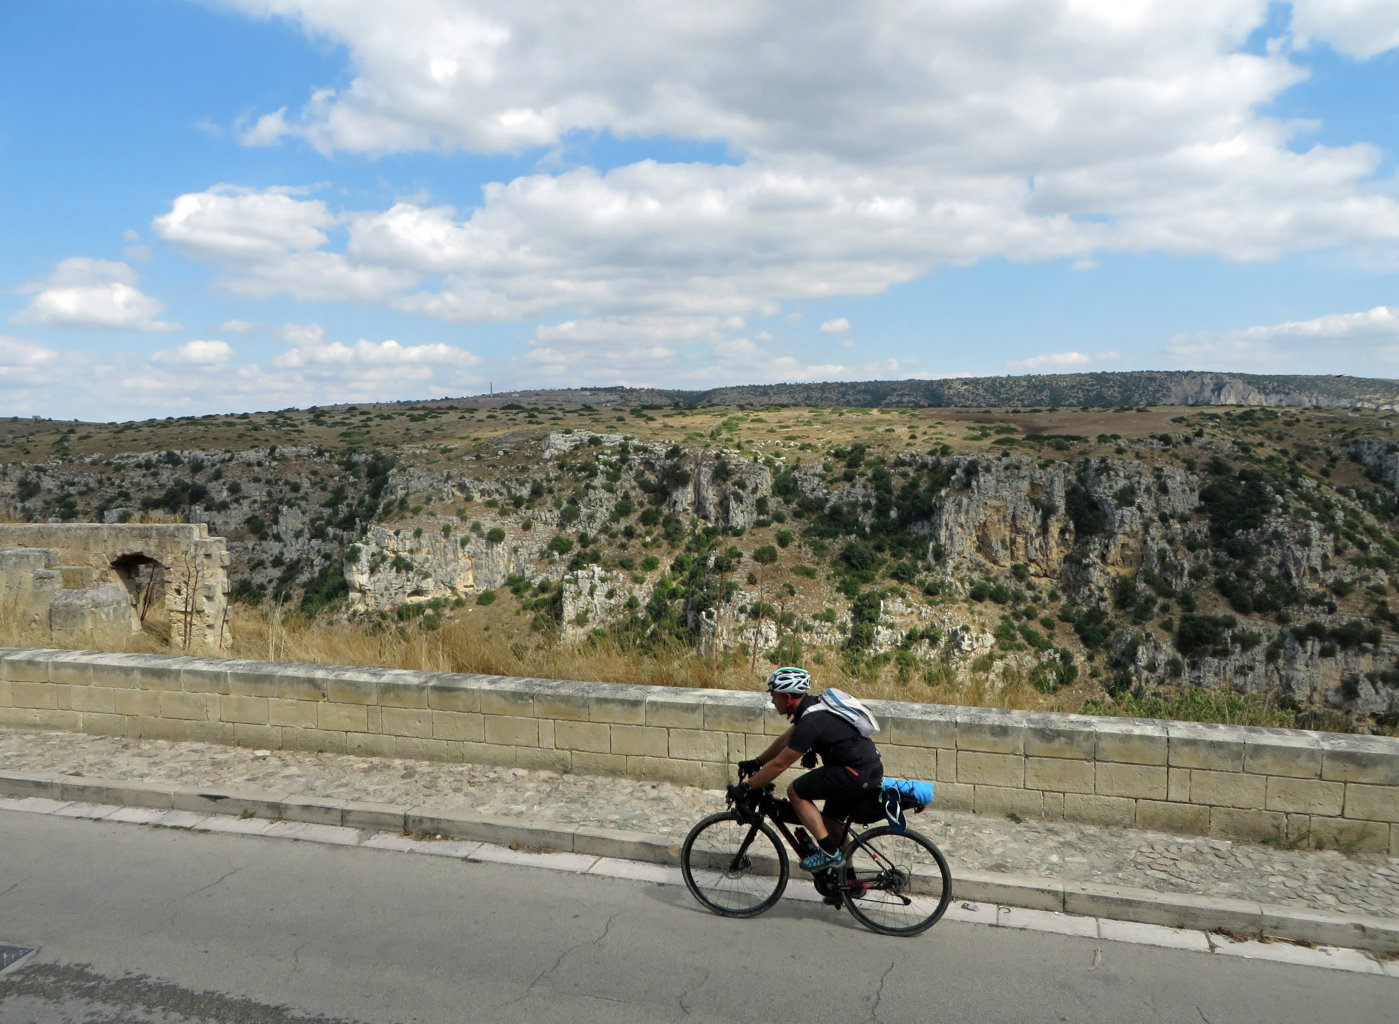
column 236, row 205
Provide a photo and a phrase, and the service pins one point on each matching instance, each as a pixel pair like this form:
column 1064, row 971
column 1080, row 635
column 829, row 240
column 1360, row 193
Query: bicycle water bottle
column 805, row 845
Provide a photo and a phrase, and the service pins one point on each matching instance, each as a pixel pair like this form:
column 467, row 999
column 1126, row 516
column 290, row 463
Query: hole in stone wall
column 144, row 579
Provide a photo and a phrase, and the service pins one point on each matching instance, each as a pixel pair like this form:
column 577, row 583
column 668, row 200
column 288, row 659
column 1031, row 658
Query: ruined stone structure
column 89, row 583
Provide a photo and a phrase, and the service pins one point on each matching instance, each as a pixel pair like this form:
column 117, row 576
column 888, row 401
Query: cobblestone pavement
column 1322, row 880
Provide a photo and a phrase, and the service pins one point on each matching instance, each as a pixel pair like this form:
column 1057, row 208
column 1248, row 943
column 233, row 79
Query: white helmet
column 789, row 680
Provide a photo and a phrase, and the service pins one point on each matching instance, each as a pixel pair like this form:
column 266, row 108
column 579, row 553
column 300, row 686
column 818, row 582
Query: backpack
column 847, row 707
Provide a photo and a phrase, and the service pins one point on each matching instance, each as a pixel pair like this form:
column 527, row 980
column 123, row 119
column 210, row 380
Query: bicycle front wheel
column 734, row 869
column 895, row 883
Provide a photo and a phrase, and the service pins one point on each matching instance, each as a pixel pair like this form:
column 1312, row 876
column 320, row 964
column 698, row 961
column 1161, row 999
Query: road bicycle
column 734, row 863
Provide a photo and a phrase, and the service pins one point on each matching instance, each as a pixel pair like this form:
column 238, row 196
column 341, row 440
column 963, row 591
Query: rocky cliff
column 1250, row 549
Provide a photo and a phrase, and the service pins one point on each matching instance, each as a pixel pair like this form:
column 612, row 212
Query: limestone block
column 293, row 714
column 1130, row 780
column 243, row 710
column 1370, row 759
column 196, row 707
column 1373, row 803
column 1059, row 774
column 908, row 730
column 257, row 736
column 622, row 711
column 955, row 796
column 999, row 800
column 590, row 736
column 26, row 665
column 978, row 768
column 203, row 675
column 1212, row 748
column 1100, row 810
column 1170, row 816
column 1309, row 796
column 684, row 773
column 598, row 763
column 1283, row 752
column 910, row 762
column 506, row 731
column 162, row 729
column 640, row 740
column 449, row 693
column 337, row 717
column 681, row 710
column 410, row 722
column 136, row 703
column 97, row 724
column 357, row 690
column 402, row 689
column 1249, row 825
column 537, row 759
column 488, row 753
column 453, row 725
column 698, row 745
column 1129, row 742
column 990, row 730
column 1228, row 789
column 369, row 744
column 261, row 679
column 74, row 668
column 1070, row 737
column 425, row 749
column 1350, row 836
column 750, row 716
column 562, row 707
column 34, row 695
column 509, row 703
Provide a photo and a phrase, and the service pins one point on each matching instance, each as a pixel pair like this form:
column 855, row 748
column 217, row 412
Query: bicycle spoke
column 733, row 868
column 895, row 883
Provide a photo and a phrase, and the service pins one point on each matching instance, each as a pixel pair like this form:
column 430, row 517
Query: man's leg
column 809, row 814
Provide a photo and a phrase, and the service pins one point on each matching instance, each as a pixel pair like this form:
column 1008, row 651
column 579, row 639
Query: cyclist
column 851, row 769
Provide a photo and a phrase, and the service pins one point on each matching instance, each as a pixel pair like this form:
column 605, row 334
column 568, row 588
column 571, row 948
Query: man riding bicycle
column 851, row 769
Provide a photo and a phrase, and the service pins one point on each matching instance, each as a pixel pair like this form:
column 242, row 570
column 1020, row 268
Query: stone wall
column 82, row 582
column 1240, row 783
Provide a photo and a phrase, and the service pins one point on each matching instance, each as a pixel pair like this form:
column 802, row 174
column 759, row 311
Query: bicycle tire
column 895, row 883
column 714, row 874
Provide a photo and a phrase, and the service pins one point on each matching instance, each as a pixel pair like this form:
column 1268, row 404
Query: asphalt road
column 134, row 925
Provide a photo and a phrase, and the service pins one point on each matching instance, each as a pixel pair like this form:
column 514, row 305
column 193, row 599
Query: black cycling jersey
column 835, row 740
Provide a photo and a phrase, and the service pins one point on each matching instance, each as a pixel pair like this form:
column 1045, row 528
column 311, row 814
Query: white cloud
column 17, row 354
column 207, row 353
column 92, row 293
column 233, row 224
column 1357, row 28
column 1058, row 361
column 871, row 148
column 367, row 353
column 1295, row 345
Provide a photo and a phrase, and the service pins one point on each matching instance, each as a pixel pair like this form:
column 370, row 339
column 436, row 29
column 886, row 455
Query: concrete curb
column 1083, row 899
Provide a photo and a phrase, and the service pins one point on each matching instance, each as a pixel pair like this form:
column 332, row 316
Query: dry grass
column 461, row 646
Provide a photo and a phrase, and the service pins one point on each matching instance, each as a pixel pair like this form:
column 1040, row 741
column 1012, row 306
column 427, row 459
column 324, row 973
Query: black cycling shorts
column 842, row 789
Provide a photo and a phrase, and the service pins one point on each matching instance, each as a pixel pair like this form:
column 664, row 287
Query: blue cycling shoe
column 820, row 860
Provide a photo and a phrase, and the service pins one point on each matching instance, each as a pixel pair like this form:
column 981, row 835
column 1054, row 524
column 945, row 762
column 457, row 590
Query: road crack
column 879, row 992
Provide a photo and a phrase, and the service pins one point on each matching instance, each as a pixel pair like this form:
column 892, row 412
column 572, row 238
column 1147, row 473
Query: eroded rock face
column 392, row 567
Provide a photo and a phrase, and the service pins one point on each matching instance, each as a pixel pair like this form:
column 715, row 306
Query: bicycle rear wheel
column 734, row 869
column 895, row 883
